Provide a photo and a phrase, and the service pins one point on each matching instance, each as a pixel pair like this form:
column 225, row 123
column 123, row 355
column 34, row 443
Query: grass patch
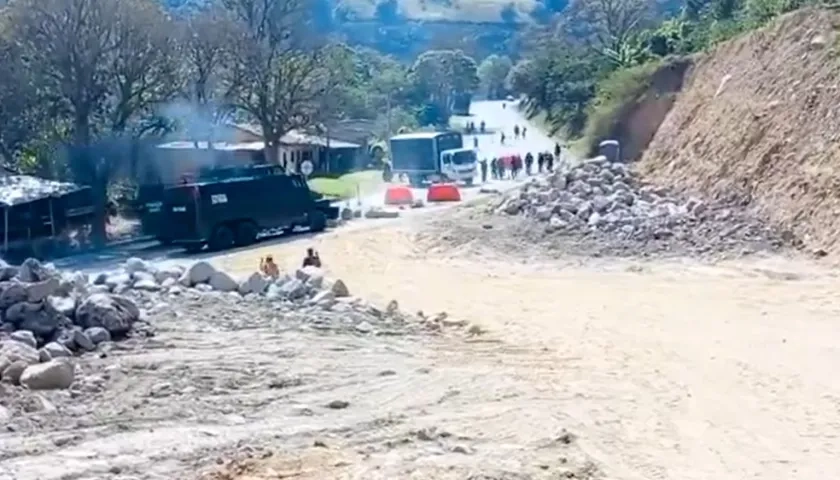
column 346, row 186
column 616, row 95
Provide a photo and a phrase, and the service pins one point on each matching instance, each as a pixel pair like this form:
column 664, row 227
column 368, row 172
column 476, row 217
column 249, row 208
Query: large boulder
column 35, row 292
column 39, row 318
column 31, row 270
column 54, row 374
column 256, row 283
column 24, row 336
column 199, row 272
column 12, row 351
column 222, row 282
column 134, row 265
column 114, row 313
column 11, row 293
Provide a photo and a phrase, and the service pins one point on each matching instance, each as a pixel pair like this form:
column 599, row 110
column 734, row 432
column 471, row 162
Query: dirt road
column 677, row 371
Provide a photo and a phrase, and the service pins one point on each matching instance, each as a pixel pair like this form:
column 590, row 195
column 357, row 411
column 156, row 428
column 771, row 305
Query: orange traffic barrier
column 443, row 192
column 399, row 195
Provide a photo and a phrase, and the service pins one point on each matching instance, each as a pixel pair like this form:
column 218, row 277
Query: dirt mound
column 757, row 124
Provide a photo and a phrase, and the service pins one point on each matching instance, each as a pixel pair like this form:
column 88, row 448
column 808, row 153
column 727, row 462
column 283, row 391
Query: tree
column 276, row 77
column 607, row 26
column 442, row 76
column 207, row 38
column 102, row 64
column 492, row 73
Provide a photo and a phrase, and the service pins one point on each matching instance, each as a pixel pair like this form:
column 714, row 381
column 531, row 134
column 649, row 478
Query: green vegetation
column 348, row 186
column 598, row 57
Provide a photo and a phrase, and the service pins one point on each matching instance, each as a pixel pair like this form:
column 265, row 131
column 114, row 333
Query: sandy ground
column 662, row 370
column 603, row 369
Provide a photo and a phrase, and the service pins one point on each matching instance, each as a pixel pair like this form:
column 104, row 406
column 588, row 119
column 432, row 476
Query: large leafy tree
column 102, row 66
column 442, row 76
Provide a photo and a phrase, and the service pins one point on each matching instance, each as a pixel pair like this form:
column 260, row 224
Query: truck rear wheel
column 246, row 233
column 222, row 238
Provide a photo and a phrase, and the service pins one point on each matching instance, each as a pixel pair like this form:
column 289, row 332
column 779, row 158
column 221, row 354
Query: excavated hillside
column 758, row 122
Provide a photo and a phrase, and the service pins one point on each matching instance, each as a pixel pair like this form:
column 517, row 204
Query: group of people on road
column 509, row 167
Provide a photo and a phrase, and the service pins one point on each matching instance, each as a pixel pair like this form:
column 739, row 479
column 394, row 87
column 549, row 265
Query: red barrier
column 399, row 195
column 443, row 192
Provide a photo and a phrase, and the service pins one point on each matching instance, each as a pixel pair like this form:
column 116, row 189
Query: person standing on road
column 503, row 138
column 483, row 166
column 557, row 150
column 516, row 166
column 529, row 163
column 524, row 131
column 540, row 162
column 516, row 131
column 494, row 168
column 475, row 142
column 482, row 126
column 549, row 160
column 505, row 166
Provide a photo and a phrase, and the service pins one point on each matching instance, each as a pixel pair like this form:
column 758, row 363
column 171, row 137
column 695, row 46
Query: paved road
column 497, row 119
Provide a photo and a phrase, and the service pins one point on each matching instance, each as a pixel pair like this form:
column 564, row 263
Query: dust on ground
column 621, row 369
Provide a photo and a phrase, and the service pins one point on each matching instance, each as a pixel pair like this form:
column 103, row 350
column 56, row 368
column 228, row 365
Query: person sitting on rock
column 268, row 267
column 312, row 258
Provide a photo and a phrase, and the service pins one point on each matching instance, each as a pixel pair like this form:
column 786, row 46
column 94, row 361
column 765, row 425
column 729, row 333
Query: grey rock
column 64, row 305
column 117, row 279
column 12, row 373
column 134, row 265
column 293, row 289
column 222, row 282
column 35, row 292
column 312, row 276
column 98, row 335
column 114, row 313
column 256, row 283
column 11, row 293
column 24, row 336
column 8, row 272
column 12, row 351
column 339, row 289
column 35, row 317
column 83, row 341
column 52, row 375
column 199, row 272
column 54, row 350
column 146, row 284
column 99, row 289
column 31, row 270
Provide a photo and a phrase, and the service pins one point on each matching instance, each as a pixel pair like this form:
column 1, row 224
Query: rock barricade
column 602, row 199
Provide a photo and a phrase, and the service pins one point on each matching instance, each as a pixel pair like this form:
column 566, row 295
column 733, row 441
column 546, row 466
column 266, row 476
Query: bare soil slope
column 757, row 122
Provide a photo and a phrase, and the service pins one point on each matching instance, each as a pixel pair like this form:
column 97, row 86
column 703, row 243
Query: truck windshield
column 449, row 141
column 413, row 154
column 464, row 157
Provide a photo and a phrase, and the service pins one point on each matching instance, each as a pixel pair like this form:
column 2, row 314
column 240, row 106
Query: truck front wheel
column 469, row 182
column 317, row 221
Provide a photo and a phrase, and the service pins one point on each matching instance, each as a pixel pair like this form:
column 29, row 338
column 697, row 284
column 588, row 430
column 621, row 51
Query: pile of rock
column 603, row 199
column 46, row 316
